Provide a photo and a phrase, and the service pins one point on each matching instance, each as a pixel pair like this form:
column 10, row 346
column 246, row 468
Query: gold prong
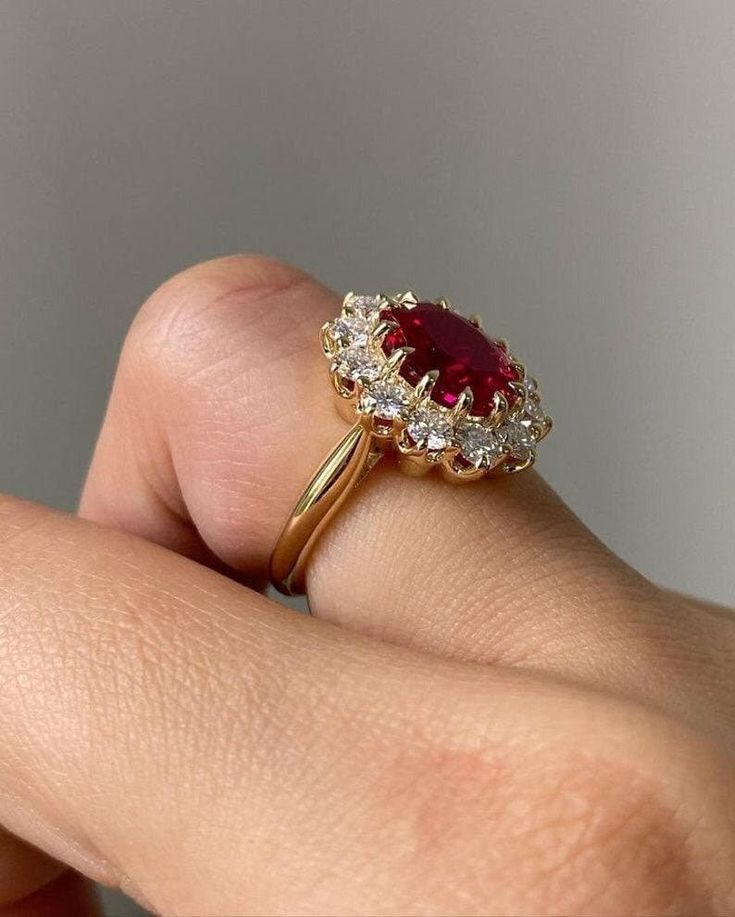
column 500, row 407
column 461, row 474
column 520, row 389
column 516, row 467
column 544, row 428
column 520, row 401
column 519, row 368
column 338, row 383
column 365, row 410
column 444, row 303
column 408, row 298
column 326, row 339
column 393, row 363
column 475, row 320
column 434, row 458
column 464, row 404
column 382, row 427
column 383, row 327
column 347, row 301
column 405, row 444
column 426, row 384
column 502, row 343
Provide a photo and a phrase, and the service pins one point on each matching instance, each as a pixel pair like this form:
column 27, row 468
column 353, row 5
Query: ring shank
column 338, row 475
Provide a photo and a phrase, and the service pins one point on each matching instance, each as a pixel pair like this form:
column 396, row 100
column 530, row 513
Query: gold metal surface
column 340, row 473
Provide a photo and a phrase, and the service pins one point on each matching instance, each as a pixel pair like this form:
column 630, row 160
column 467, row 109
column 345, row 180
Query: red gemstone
column 461, row 352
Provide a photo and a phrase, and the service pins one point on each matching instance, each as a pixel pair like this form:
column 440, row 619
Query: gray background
column 566, row 169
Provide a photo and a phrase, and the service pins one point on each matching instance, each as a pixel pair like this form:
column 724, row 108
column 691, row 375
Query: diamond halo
column 400, row 412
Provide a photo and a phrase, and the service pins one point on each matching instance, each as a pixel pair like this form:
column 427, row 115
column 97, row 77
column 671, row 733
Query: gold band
column 342, row 470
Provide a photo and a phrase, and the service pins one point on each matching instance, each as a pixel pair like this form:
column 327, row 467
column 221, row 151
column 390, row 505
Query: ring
column 417, row 379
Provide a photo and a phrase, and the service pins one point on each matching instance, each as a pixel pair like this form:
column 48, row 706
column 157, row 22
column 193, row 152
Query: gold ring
column 415, row 378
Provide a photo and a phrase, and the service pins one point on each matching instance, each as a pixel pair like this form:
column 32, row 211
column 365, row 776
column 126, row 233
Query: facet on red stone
column 463, row 355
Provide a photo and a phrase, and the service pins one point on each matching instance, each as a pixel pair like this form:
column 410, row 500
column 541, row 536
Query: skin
column 504, row 719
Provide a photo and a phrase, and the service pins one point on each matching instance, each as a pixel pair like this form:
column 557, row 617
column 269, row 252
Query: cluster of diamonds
column 425, row 432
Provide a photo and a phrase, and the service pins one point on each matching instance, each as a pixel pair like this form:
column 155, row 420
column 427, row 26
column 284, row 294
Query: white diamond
column 350, row 330
column 429, row 430
column 479, row 445
column 365, row 305
column 520, row 434
column 534, row 411
column 386, row 400
column 357, row 365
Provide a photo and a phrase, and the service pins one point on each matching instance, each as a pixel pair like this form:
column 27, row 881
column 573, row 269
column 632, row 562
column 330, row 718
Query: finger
column 221, row 412
column 167, row 730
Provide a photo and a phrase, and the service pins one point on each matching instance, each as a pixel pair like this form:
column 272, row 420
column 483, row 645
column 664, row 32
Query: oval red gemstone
column 464, row 356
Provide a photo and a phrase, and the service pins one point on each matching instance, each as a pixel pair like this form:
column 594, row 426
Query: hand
column 489, row 713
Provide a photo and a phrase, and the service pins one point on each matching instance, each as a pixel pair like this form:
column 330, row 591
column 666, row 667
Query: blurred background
column 566, row 169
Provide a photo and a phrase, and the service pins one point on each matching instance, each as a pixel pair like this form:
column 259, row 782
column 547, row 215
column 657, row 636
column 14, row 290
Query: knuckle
column 190, row 319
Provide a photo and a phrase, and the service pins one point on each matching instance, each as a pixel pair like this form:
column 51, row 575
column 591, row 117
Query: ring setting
column 415, row 378
column 430, row 383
